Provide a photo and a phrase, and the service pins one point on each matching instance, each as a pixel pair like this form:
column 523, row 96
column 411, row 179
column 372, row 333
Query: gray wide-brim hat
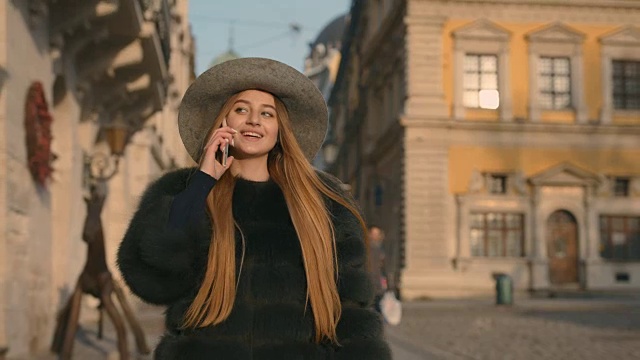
column 204, row 99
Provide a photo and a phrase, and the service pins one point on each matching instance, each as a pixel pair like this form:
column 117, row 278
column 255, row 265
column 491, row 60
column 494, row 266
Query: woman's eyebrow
column 249, row 103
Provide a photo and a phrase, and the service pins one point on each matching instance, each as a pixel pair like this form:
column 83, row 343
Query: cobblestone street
column 532, row 329
column 596, row 328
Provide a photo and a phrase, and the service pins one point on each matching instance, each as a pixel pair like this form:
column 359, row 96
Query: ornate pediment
column 557, row 33
column 627, row 36
column 482, row 29
column 565, row 174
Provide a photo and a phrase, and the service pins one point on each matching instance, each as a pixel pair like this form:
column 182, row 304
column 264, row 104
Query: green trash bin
column 504, row 289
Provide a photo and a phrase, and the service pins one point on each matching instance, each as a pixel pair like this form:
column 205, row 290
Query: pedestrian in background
column 377, row 259
column 255, row 254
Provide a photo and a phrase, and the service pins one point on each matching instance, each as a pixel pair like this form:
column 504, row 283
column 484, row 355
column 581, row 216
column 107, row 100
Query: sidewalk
column 87, row 346
column 593, row 327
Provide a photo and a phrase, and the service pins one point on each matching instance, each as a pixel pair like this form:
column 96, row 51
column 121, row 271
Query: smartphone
column 224, row 154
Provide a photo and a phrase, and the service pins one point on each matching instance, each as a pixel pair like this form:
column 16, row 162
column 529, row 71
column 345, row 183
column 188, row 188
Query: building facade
column 69, row 71
column 496, row 137
column 321, row 66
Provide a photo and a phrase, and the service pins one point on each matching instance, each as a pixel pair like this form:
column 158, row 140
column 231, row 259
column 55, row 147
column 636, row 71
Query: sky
column 261, row 28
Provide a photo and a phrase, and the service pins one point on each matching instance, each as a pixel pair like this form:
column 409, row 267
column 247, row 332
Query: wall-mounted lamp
column 100, row 166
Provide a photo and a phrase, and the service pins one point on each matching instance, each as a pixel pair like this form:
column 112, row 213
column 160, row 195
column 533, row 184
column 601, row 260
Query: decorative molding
column 627, row 36
column 516, row 183
column 482, row 36
column 621, row 44
column 565, row 174
column 555, row 33
column 555, row 3
column 514, row 11
column 557, row 40
column 482, row 29
column 554, row 128
column 605, row 186
column 469, row 203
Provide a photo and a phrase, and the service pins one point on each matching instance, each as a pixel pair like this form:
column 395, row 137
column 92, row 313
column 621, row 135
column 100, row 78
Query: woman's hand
column 219, row 139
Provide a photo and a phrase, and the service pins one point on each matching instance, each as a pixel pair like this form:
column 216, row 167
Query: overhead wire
column 255, row 23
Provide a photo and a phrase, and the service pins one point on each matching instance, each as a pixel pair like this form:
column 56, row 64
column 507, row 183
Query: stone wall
column 28, row 311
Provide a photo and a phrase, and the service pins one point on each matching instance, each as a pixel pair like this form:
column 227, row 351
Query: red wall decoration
column 37, row 123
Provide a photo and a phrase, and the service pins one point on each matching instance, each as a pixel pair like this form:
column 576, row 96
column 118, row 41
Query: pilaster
column 425, row 95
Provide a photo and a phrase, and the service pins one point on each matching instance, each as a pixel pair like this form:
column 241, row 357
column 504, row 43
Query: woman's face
column 254, row 116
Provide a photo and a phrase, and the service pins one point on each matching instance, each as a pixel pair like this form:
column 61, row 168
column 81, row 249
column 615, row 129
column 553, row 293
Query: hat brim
column 204, row 99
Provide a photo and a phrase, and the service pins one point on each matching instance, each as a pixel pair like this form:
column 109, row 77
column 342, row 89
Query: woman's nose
column 253, row 118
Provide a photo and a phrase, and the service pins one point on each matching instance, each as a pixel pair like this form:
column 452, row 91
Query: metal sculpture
column 97, row 281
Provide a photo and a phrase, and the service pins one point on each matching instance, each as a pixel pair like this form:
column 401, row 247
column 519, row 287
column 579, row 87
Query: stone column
column 539, row 270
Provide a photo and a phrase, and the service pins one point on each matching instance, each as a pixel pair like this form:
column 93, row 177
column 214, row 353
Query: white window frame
column 474, row 203
column 557, row 40
column 479, row 199
column 482, row 37
column 623, row 44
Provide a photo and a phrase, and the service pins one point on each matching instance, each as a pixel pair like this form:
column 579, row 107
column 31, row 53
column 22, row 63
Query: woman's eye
column 241, row 110
column 267, row 114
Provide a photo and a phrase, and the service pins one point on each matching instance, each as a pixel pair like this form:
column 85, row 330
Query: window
column 555, row 82
column 497, row 184
column 497, row 234
column 620, row 59
column 481, row 76
column 481, row 81
column 620, row 237
column 621, row 187
column 555, row 53
column 626, row 84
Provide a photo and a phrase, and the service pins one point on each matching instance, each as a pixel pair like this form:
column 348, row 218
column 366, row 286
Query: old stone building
column 69, row 72
column 495, row 137
column 321, row 66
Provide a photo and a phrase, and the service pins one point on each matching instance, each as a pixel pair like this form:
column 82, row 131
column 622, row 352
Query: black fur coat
column 165, row 266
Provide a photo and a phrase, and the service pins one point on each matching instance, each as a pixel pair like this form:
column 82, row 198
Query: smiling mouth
column 251, row 134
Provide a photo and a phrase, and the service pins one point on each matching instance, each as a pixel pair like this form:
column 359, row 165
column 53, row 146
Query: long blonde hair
column 303, row 192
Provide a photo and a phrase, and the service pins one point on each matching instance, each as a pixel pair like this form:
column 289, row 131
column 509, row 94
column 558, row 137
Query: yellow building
column 495, row 137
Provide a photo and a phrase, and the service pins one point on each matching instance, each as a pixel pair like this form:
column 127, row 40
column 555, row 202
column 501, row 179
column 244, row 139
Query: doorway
column 562, row 248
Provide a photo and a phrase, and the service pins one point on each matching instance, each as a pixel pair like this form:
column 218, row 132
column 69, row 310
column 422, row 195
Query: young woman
column 261, row 257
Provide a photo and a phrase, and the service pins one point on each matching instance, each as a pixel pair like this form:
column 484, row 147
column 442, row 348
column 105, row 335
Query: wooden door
column 562, row 248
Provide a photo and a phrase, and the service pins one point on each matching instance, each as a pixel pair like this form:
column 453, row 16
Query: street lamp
column 117, row 133
column 100, row 166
